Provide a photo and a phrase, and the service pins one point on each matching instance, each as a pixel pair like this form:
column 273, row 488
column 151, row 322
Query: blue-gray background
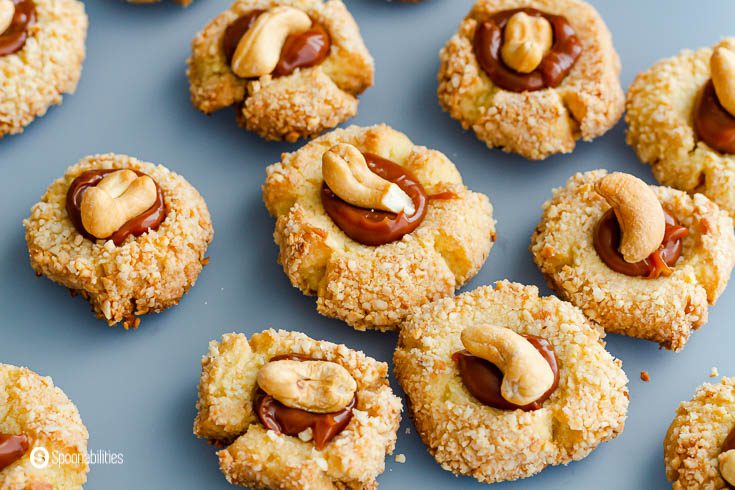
column 136, row 390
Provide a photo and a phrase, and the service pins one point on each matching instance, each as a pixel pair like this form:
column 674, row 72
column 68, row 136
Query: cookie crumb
column 645, row 376
column 306, row 435
column 400, row 458
column 714, row 372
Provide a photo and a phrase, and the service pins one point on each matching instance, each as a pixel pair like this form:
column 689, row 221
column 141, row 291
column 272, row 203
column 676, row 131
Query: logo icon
column 39, row 457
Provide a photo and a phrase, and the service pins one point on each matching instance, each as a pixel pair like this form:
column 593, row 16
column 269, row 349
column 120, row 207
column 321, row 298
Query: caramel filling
column 552, row 70
column 606, row 240
column 714, row 125
column 375, row 227
column 483, row 379
column 302, row 50
column 12, row 448
column 14, row 37
column 281, row 419
column 151, row 219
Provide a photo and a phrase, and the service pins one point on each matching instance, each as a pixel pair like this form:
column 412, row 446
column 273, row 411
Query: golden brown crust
column 659, row 106
column 145, row 274
column 469, row 438
column 696, row 435
column 375, row 287
column 663, row 310
column 48, row 65
column 30, row 404
column 300, row 105
column 534, row 124
column 263, row 459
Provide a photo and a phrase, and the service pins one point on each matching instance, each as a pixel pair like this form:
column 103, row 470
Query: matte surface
column 136, row 390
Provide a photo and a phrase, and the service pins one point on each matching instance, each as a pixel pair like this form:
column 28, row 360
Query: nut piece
column 639, row 213
column 118, row 198
column 259, row 49
column 722, row 66
column 526, row 41
column 7, row 11
column 314, row 386
column 347, row 174
column 727, row 466
column 526, row 374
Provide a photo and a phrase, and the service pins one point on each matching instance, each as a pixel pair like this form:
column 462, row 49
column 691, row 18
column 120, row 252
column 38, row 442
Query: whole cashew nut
column 639, row 213
column 526, row 41
column 7, row 11
column 722, row 67
column 118, row 198
column 347, row 174
column 526, row 374
column 315, row 386
column 258, row 51
column 727, row 466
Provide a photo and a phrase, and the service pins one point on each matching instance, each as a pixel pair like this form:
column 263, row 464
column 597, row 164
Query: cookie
column 323, row 66
column 41, row 55
column 643, row 261
column 701, row 435
column 677, row 124
column 368, row 265
column 502, row 382
column 332, row 429
column 130, row 236
column 38, row 421
column 532, row 77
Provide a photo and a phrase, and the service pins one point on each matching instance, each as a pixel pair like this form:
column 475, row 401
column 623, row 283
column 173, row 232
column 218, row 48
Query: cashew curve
column 526, row 41
column 526, row 374
column 315, row 386
column 347, row 174
column 118, row 198
column 259, row 50
column 727, row 466
column 639, row 213
column 722, row 67
column 7, row 11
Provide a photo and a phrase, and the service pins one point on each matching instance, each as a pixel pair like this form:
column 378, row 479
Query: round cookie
column 469, row 437
column 697, row 435
column 37, row 418
column 296, row 104
column 660, row 106
column 40, row 60
column 140, row 274
column 229, row 416
column 375, row 286
column 540, row 122
column 663, row 310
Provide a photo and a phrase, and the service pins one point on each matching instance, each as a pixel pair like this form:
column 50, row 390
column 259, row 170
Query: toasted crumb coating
column 48, row 65
column 259, row 458
column 663, row 310
column 469, row 438
column 300, row 105
column 30, row 404
column 696, row 435
column 145, row 274
column 541, row 123
column 375, row 287
column 659, row 106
